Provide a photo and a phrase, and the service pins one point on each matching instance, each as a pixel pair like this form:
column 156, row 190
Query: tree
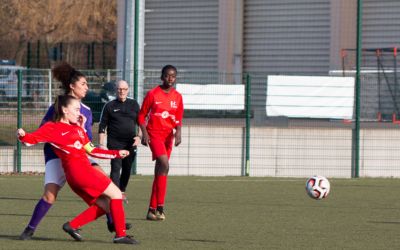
column 55, row 21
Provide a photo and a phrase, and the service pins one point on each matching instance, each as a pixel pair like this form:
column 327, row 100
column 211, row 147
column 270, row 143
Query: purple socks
column 40, row 211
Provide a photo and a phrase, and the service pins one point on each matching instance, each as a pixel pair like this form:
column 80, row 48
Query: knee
column 49, row 197
column 50, row 193
column 116, row 195
column 164, row 169
column 115, row 192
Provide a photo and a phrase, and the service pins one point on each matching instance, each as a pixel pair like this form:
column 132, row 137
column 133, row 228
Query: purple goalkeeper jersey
column 85, row 111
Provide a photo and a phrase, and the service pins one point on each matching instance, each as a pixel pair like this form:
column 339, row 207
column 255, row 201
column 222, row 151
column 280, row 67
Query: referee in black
column 117, row 126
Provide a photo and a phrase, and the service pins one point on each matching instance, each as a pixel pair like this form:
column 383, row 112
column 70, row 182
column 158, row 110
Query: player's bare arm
column 145, row 135
column 178, row 136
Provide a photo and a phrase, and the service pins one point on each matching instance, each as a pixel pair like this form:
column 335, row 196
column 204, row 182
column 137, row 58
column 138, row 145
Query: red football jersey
column 71, row 144
column 164, row 111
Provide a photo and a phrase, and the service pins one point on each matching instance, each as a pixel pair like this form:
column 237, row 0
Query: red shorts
column 161, row 144
column 87, row 181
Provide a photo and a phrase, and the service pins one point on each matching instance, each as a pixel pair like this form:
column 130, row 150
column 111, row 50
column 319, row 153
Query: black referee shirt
column 120, row 119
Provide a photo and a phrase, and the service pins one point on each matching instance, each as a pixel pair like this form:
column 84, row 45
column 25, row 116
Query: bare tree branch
column 55, row 21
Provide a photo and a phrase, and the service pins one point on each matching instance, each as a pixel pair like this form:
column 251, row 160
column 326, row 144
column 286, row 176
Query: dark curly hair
column 66, row 74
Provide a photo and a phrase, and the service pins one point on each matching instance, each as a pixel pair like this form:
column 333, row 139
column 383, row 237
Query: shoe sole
column 160, row 216
column 72, row 234
column 25, row 237
column 151, row 219
column 155, row 219
column 151, row 216
column 134, row 242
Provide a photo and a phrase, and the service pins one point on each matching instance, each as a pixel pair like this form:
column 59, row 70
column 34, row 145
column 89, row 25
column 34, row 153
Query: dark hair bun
column 63, row 72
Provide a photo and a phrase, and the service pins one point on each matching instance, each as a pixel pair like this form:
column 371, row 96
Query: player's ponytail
column 60, row 102
column 66, row 74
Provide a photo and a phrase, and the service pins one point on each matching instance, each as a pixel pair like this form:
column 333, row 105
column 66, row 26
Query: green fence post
column 248, row 117
column 19, row 119
column 136, row 66
column 356, row 132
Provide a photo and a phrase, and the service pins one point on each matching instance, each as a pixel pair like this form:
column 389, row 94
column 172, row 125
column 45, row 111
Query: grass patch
column 220, row 213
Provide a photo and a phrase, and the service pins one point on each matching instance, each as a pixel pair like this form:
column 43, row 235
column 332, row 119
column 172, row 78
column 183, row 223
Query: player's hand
column 81, row 121
column 123, row 153
column 145, row 139
column 20, row 132
column 178, row 137
column 102, row 146
column 136, row 141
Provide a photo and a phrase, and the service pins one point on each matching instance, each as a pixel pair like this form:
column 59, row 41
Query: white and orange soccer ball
column 318, row 187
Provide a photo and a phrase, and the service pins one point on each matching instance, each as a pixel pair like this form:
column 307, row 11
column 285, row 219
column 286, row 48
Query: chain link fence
column 223, row 133
column 290, row 111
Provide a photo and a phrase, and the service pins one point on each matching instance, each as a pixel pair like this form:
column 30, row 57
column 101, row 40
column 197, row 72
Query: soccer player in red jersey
column 71, row 143
column 161, row 113
column 74, row 83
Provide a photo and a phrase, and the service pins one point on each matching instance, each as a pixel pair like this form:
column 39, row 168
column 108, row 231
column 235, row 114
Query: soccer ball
column 318, row 187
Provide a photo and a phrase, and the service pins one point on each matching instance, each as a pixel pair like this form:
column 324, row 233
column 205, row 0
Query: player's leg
column 126, row 172
column 151, row 213
column 73, row 227
column 92, row 213
column 115, row 173
column 118, row 214
column 95, row 211
column 158, row 149
column 161, row 174
column 103, row 202
column 101, row 207
column 54, row 181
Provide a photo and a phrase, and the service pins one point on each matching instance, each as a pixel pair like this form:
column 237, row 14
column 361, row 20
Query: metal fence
column 227, row 128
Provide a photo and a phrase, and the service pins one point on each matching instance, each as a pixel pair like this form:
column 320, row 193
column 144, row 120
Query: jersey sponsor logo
column 158, row 103
column 116, row 110
column 80, row 133
column 165, row 114
column 173, row 104
column 78, row 145
column 64, row 133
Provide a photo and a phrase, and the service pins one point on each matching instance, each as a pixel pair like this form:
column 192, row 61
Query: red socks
column 118, row 216
column 89, row 215
column 94, row 212
column 159, row 191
